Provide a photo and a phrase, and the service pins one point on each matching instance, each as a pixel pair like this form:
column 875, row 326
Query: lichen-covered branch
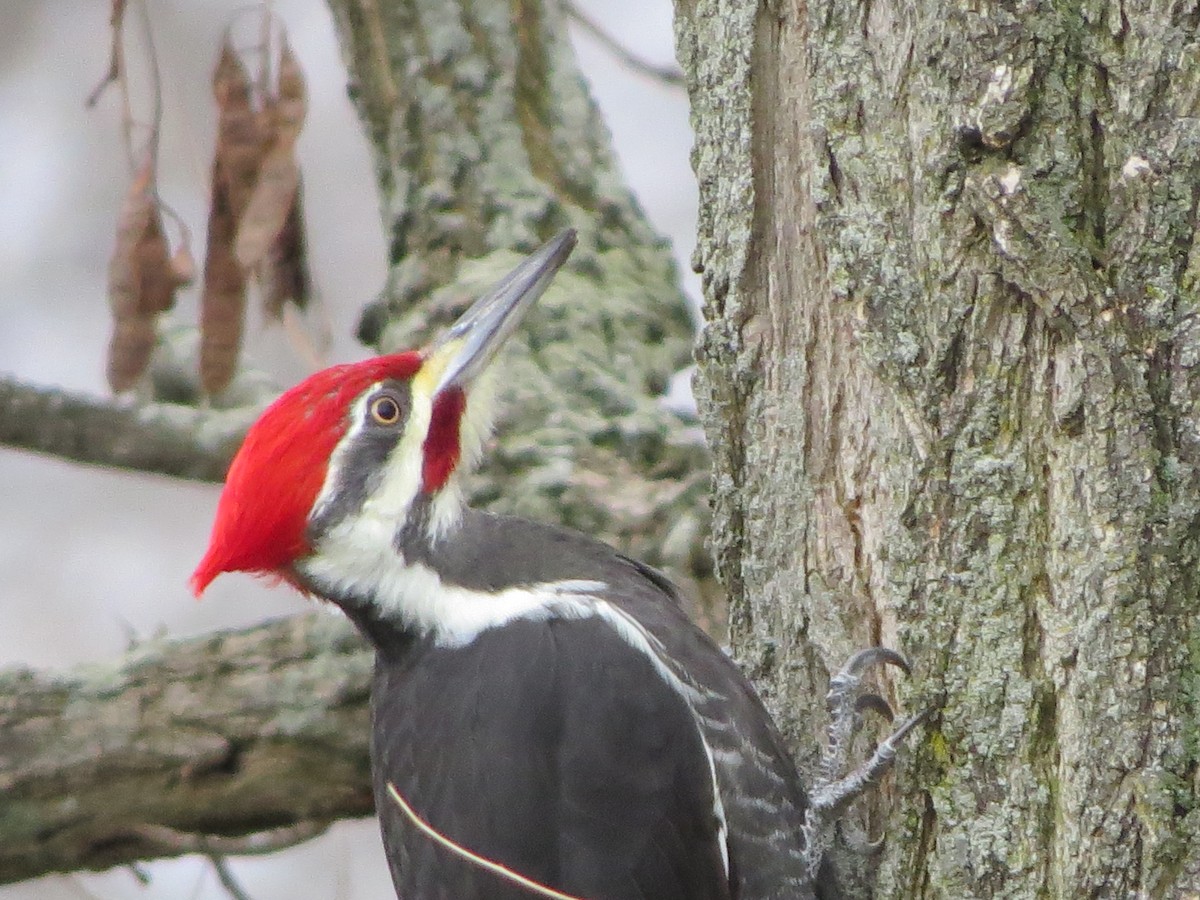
column 261, row 730
column 161, row 438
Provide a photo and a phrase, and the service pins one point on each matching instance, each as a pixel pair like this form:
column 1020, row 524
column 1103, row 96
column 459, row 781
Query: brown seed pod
column 274, row 193
column 158, row 283
column 239, row 133
column 291, row 96
column 223, row 299
column 284, row 272
column 128, row 351
column 273, row 197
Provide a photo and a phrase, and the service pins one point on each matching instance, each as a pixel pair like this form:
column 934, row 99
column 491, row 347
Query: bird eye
column 385, row 410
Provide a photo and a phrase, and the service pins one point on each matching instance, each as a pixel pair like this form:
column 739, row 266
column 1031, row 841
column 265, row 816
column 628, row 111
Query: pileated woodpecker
column 538, row 698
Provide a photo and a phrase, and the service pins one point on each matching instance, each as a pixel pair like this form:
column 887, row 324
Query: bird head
column 336, row 468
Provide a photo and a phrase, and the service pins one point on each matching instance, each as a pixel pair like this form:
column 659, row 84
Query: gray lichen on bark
column 226, row 735
column 487, row 142
column 969, row 291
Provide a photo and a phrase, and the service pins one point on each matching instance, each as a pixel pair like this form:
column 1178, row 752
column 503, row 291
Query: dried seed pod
column 235, row 169
column 123, row 282
column 239, row 133
column 255, row 224
column 158, row 283
column 223, row 300
column 291, row 96
column 267, row 210
column 128, row 353
column 284, row 272
column 278, row 175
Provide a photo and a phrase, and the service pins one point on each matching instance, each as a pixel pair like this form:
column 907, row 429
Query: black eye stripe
column 361, row 464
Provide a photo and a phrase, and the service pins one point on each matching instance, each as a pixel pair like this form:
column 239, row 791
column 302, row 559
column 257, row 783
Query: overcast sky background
column 89, row 559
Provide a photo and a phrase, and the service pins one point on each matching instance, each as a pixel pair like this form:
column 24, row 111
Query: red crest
column 277, row 474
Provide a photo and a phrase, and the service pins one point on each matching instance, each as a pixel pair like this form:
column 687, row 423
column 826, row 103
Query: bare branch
column 162, row 438
column 116, row 63
column 227, row 879
column 669, row 75
column 183, row 747
column 173, row 842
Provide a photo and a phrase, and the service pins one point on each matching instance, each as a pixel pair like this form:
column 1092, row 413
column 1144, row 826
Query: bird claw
column 876, row 703
column 835, row 790
column 857, row 841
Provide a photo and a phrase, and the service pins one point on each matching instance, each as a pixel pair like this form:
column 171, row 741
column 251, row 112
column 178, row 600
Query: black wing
column 761, row 792
column 556, row 749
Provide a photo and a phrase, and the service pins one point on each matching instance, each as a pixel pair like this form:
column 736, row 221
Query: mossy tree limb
column 221, row 736
column 486, row 142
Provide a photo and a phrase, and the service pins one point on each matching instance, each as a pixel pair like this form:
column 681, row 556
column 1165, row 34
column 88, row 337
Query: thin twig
column 185, row 233
column 484, row 863
column 156, row 87
column 257, row 844
column 670, row 75
column 225, row 876
column 115, row 54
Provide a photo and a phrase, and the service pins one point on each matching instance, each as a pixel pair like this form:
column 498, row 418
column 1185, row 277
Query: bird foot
column 835, row 789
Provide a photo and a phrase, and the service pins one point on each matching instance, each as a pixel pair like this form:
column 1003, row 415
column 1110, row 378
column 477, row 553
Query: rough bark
column 485, row 143
column 225, row 735
column 948, row 380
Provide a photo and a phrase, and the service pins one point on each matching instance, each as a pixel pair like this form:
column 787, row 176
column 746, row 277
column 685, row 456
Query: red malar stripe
column 442, row 447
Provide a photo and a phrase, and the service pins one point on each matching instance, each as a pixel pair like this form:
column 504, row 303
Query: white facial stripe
column 400, row 479
column 400, row 474
column 414, row 594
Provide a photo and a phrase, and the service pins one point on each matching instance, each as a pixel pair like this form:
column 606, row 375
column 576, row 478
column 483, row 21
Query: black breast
column 554, row 748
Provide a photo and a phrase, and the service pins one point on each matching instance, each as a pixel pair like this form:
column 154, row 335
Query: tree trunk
column 948, row 381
